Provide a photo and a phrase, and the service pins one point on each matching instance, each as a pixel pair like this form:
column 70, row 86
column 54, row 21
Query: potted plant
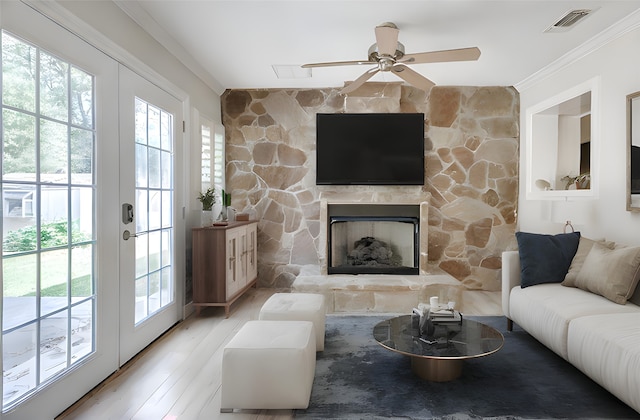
column 208, row 200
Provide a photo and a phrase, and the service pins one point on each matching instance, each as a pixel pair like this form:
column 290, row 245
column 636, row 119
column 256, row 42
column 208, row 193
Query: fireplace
column 373, row 239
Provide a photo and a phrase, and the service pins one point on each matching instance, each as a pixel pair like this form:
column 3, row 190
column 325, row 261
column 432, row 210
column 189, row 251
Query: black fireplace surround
column 374, row 242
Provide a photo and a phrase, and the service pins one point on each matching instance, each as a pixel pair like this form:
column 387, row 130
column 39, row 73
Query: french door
column 59, row 234
column 150, row 124
column 81, row 136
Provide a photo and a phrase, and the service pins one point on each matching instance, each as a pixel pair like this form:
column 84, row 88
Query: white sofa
column 596, row 335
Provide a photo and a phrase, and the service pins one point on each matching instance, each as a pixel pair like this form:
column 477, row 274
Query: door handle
column 126, row 235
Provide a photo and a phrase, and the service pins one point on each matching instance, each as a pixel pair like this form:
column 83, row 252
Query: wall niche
column 471, row 179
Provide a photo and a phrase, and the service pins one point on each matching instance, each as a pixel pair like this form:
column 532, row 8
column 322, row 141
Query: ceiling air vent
column 568, row 20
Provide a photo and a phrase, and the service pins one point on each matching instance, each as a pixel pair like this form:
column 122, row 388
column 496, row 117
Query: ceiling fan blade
column 412, row 77
column 387, row 39
column 461, row 54
column 360, row 80
column 338, row 63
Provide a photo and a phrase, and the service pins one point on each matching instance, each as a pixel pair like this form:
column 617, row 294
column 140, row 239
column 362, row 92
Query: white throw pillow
column 612, row 273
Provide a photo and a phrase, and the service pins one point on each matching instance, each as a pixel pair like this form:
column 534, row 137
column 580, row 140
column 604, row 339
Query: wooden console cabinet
column 224, row 263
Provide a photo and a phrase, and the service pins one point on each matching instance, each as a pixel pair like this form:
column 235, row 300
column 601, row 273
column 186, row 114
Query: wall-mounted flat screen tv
column 370, row 149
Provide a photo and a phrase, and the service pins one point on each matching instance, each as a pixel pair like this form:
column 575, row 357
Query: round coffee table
column 438, row 357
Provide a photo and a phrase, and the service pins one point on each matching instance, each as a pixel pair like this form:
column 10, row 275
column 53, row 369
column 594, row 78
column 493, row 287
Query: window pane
column 18, row 74
column 82, row 99
column 54, row 152
column 154, row 168
column 81, row 271
column 154, row 251
column 166, row 170
column 142, row 262
column 53, row 344
column 54, row 276
column 19, row 283
column 167, row 286
column 81, row 155
column 141, row 298
column 82, row 342
column 166, row 248
column 81, row 214
column 19, row 222
column 153, row 128
column 18, row 144
column 54, row 228
column 166, row 124
column 141, row 166
column 166, row 209
column 154, row 291
column 155, row 201
column 141, row 121
column 54, row 87
column 19, row 362
column 142, row 216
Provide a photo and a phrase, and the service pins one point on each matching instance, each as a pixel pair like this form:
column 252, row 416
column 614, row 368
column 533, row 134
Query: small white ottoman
column 269, row 365
column 298, row 307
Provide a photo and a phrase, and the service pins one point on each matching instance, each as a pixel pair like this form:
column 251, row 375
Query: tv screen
column 370, row 149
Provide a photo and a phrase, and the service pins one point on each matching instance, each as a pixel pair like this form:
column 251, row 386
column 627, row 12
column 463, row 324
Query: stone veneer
column 471, row 180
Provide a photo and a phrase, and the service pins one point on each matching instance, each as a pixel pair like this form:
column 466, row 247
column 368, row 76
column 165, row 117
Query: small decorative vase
column 206, row 218
column 216, row 209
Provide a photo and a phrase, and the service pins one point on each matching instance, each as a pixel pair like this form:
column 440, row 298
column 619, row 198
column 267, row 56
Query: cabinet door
column 242, row 263
column 232, row 262
column 252, row 251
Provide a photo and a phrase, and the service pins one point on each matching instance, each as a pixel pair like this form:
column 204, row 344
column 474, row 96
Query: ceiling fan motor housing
column 375, row 56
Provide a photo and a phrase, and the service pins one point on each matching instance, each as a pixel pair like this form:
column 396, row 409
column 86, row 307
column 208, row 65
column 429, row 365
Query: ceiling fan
column 388, row 55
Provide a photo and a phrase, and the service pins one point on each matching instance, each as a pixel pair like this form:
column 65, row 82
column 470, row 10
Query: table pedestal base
column 436, row 370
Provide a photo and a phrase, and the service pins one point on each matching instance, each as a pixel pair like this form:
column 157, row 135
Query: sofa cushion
column 545, row 311
column 584, row 246
column 545, row 258
column 607, row 349
column 612, row 273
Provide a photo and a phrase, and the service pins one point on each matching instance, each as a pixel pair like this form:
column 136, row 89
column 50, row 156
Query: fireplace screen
column 373, row 245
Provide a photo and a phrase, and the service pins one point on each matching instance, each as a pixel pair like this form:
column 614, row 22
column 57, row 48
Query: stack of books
column 445, row 316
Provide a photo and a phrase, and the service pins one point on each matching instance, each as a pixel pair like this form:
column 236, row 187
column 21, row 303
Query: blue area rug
column 356, row 378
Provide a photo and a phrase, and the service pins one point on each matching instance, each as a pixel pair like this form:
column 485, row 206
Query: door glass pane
column 54, row 280
column 53, row 344
column 154, row 204
column 54, row 79
column 48, row 239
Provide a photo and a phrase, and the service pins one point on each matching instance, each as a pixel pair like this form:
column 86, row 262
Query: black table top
column 465, row 340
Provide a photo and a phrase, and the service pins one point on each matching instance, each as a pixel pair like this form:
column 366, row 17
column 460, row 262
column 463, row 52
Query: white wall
column 617, row 65
column 109, row 20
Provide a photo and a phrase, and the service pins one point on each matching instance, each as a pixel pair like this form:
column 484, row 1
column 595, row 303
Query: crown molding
column 622, row 27
column 147, row 23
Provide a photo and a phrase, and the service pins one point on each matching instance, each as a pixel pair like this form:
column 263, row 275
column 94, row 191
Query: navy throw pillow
column 545, row 258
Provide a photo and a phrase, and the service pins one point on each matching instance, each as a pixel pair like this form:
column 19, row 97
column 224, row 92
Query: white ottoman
column 298, row 307
column 269, row 365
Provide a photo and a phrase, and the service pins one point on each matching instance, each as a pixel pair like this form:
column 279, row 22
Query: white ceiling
column 234, row 43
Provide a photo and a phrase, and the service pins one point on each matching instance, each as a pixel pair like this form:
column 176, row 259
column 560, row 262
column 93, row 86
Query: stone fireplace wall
column 471, row 181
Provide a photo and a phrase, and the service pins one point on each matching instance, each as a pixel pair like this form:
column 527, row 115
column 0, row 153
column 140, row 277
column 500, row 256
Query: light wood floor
column 178, row 376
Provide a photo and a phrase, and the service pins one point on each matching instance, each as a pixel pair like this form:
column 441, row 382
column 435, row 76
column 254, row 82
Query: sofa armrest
column 510, row 277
